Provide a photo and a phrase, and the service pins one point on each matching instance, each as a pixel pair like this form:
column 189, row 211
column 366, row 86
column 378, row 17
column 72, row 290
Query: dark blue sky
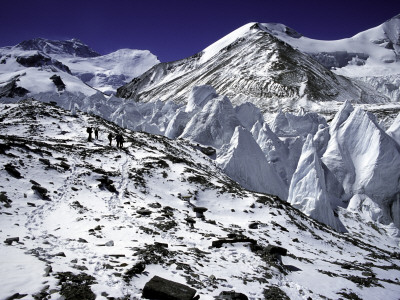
column 175, row 29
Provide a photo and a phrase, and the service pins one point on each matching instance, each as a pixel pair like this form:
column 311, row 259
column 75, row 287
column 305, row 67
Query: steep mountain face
column 83, row 220
column 250, row 64
column 73, row 47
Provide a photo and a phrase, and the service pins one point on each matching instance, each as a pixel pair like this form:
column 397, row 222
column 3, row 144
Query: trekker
column 96, row 133
column 121, row 141
column 118, row 139
column 89, row 130
column 110, row 137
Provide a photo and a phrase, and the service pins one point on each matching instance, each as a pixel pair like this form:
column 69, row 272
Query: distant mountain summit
column 73, row 47
column 83, row 71
column 253, row 63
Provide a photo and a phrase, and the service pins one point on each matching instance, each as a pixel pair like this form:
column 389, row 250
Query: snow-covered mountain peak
column 72, row 47
column 278, row 29
column 224, row 42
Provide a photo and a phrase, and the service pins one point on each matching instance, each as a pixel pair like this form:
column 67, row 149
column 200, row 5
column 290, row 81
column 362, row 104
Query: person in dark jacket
column 110, row 137
column 89, row 130
column 96, row 133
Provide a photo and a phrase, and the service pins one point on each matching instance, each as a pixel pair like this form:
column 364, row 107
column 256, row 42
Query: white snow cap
column 244, row 162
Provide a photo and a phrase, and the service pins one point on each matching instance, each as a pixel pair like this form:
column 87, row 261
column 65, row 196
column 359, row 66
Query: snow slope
column 97, row 221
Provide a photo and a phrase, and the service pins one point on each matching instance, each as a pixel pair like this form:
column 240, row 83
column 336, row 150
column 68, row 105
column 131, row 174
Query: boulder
column 9, row 241
column 160, row 288
column 231, row 295
column 271, row 249
column 219, row 243
column 200, row 211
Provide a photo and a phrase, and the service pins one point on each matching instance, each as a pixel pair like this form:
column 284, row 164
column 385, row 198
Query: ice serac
column 197, row 99
column 243, row 160
column 364, row 159
column 307, row 191
column 276, row 152
column 255, row 130
column 214, row 124
column 321, row 139
column 288, row 124
column 394, row 129
column 249, row 114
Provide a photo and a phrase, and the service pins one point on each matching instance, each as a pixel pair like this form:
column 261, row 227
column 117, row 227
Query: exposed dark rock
column 200, row 211
column 276, row 250
column 64, row 165
column 144, row 212
column 107, row 183
column 166, row 225
column 4, row 199
column 76, row 286
column 135, row 270
column 190, row 221
column 74, row 47
column 219, row 243
column 11, row 90
column 39, row 60
column 231, row 295
column 9, row 241
column 253, row 225
column 12, row 170
column 41, row 191
column 44, row 161
column 4, row 147
column 16, row 296
column 275, row 293
column 160, row 288
column 209, row 151
column 58, row 82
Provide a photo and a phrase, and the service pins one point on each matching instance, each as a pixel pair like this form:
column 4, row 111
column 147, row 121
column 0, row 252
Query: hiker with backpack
column 89, row 130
